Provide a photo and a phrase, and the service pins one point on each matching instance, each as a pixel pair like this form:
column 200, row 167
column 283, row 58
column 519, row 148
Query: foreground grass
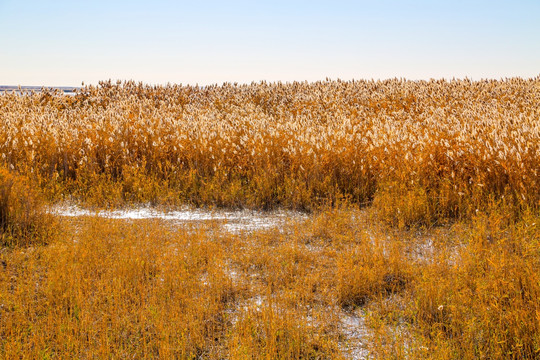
column 148, row 289
column 117, row 289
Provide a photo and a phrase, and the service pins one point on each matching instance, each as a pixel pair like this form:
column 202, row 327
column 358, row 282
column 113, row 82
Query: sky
column 65, row 43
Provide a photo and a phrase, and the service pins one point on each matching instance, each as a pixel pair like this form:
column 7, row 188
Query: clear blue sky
column 159, row 41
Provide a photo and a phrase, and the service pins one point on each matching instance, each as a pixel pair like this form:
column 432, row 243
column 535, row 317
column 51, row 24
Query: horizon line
column 263, row 81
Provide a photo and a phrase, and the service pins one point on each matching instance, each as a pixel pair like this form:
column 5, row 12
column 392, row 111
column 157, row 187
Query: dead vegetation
column 423, row 241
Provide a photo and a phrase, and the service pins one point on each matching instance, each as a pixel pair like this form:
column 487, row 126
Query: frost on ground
column 232, row 221
column 355, row 333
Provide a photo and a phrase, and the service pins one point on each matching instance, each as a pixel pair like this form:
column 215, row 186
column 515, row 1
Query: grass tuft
column 23, row 219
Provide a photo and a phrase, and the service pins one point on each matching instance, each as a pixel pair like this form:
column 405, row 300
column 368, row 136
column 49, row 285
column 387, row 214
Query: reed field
column 420, row 237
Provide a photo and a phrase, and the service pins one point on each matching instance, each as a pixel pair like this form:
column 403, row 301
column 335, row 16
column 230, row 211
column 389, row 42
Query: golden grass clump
column 488, row 305
column 476, row 296
column 448, row 146
column 107, row 288
column 404, row 206
column 369, row 271
column 23, row 219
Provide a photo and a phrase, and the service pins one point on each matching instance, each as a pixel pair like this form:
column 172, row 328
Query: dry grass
column 23, row 219
column 444, row 264
column 476, row 299
column 117, row 288
column 120, row 289
column 450, row 146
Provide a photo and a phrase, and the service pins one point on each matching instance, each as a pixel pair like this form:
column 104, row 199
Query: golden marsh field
column 408, row 221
